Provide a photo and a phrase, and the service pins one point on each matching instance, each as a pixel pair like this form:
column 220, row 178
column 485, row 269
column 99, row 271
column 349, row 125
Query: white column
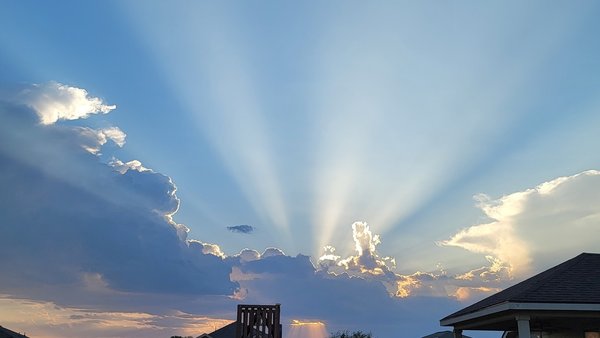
column 523, row 326
column 458, row 333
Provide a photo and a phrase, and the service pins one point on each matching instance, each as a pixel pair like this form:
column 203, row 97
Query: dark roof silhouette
column 6, row 333
column 227, row 331
column 575, row 281
column 443, row 334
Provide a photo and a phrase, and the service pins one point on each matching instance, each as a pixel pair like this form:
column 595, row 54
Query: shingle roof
column 576, row 281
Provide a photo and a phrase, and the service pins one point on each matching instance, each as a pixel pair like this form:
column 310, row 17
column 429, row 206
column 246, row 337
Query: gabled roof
column 575, row 281
column 6, row 333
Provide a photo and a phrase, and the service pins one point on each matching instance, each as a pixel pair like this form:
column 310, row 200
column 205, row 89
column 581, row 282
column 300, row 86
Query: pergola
column 563, row 301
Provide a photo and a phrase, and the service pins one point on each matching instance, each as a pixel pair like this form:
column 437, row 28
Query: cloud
column 54, row 101
column 44, row 319
column 206, row 248
column 117, row 223
column 366, row 260
column 128, row 265
column 92, row 140
column 522, row 233
column 368, row 264
column 270, row 252
column 131, row 263
column 122, row 167
column 339, row 300
column 243, row 228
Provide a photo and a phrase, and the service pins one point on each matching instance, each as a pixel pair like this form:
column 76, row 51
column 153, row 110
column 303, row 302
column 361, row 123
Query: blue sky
column 464, row 134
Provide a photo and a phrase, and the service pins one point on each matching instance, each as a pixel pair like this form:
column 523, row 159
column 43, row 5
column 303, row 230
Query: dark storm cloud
column 243, row 228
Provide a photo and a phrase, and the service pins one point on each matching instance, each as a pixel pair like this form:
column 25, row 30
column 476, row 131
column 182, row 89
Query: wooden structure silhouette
column 258, row 321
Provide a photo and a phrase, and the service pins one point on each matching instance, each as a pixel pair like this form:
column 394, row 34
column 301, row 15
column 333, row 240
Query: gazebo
column 563, row 301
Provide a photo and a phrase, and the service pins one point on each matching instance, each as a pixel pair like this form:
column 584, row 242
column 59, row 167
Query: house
column 563, row 301
column 6, row 333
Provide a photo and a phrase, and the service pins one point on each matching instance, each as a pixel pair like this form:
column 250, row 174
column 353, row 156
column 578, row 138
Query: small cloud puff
column 54, row 101
column 242, row 229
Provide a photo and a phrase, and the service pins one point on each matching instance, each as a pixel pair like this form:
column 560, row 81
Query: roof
column 227, row 331
column 6, row 333
column 443, row 334
column 572, row 282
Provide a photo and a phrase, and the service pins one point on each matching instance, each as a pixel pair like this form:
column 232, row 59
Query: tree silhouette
column 348, row 334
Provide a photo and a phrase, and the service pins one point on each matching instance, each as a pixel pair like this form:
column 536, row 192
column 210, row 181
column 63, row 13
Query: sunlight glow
column 300, row 328
column 390, row 128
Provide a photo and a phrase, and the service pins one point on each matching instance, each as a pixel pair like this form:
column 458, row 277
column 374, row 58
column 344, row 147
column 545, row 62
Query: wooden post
column 457, row 333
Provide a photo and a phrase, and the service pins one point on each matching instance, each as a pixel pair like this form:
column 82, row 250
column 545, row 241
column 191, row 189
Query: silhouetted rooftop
column 6, row 333
column 227, row 331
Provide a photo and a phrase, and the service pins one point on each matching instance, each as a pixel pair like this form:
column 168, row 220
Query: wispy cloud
column 48, row 319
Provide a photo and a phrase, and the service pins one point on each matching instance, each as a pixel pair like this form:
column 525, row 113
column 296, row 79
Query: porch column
column 458, row 333
column 523, row 326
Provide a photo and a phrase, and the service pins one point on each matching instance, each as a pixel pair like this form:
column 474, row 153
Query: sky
column 370, row 166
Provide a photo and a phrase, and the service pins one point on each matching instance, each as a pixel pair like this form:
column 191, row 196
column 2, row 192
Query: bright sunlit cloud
column 525, row 227
column 54, row 101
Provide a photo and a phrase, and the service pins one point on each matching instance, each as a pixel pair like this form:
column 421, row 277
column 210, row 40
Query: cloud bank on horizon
column 96, row 242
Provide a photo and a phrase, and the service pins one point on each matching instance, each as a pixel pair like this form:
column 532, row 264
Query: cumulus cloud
column 368, row 264
column 524, row 227
column 118, row 222
column 340, row 300
column 54, row 101
column 366, row 260
column 243, row 228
